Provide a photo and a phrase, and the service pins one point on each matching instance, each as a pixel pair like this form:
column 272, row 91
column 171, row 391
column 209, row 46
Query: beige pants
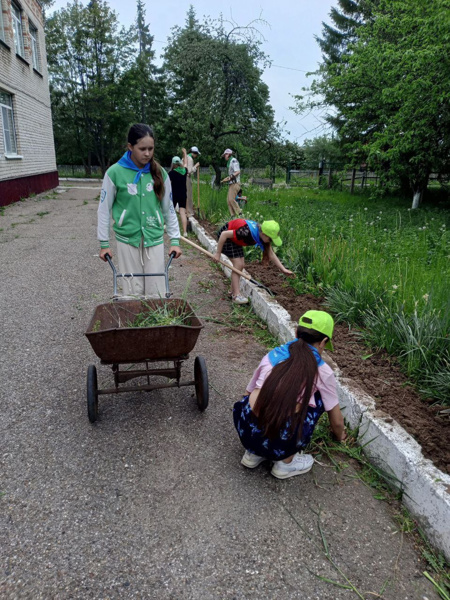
column 141, row 260
column 233, row 206
column 189, row 202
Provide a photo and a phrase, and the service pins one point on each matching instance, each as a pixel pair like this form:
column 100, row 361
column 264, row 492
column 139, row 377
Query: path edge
column 426, row 489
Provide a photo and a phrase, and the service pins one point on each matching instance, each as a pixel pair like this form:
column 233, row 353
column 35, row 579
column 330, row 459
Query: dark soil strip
column 379, row 375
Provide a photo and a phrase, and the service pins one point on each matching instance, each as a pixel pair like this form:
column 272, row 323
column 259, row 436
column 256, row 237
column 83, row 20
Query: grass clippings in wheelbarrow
column 159, row 316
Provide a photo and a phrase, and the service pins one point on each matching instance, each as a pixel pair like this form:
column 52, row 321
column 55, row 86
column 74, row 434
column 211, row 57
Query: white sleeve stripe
column 107, row 197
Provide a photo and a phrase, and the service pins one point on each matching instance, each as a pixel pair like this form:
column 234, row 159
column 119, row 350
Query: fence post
column 329, row 178
column 352, row 185
column 321, row 165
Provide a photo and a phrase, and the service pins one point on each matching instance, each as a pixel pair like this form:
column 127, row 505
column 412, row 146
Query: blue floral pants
column 287, row 444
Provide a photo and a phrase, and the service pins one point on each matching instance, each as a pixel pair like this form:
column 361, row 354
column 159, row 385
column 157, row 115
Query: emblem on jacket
column 149, row 187
column 132, row 189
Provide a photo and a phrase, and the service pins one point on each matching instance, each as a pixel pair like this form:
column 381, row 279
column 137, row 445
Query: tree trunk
column 88, row 167
column 218, row 173
column 417, row 197
column 418, row 191
column 352, row 184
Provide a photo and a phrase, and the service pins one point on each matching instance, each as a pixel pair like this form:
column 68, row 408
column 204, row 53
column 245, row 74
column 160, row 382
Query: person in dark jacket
column 178, row 179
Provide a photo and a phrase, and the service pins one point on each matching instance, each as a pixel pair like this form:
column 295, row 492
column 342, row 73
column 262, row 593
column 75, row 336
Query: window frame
column 17, row 26
column 10, row 127
column 35, row 48
column 2, row 24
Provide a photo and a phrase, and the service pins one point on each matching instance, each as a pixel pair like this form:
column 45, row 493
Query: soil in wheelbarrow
column 378, row 375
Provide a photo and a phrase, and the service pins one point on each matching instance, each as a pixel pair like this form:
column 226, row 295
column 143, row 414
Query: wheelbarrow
column 118, row 344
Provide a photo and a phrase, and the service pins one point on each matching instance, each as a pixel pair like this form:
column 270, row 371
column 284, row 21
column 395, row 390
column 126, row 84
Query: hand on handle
column 175, row 251
column 104, row 252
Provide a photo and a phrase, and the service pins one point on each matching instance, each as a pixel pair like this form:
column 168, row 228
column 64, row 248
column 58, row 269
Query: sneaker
column 251, row 460
column 240, row 299
column 301, row 463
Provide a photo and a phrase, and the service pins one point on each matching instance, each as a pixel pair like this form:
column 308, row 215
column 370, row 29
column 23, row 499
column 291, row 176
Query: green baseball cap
column 176, row 160
column 320, row 321
column 272, row 229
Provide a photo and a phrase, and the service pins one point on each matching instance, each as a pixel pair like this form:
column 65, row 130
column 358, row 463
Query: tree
column 346, row 19
column 87, row 57
column 323, row 148
column 143, row 84
column 215, row 90
column 391, row 90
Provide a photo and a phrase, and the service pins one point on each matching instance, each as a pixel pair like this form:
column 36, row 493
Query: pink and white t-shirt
column 325, row 383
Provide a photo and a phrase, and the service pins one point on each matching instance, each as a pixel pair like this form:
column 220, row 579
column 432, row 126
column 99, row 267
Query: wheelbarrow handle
column 165, row 274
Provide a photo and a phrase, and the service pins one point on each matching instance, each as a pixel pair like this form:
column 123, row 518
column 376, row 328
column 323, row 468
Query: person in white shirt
column 233, row 180
column 192, row 167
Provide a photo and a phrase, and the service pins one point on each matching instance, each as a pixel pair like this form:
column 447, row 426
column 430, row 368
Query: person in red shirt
column 237, row 234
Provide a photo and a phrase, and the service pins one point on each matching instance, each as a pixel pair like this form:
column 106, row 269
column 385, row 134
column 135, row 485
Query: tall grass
column 379, row 265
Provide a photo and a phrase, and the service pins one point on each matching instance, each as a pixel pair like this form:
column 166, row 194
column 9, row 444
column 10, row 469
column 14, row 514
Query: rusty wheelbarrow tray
column 116, row 343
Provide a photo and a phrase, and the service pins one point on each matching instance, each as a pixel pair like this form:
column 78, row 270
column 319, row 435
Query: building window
column 17, row 28
column 9, row 134
column 2, row 28
column 35, row 47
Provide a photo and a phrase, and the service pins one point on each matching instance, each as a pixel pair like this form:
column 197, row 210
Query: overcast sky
column 289, row 42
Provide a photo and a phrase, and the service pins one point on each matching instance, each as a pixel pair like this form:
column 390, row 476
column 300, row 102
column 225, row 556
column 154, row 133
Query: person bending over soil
column 285, row 398
column 238, row 233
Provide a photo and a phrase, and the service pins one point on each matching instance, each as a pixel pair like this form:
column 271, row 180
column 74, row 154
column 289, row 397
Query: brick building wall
column 32, row 167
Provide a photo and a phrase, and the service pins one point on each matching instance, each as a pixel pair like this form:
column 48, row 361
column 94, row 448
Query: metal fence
column 79, row 171
column 332, row 177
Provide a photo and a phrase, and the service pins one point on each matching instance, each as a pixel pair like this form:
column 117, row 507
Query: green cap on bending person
column 320, row 321
column 176, row 160
column 272, row 229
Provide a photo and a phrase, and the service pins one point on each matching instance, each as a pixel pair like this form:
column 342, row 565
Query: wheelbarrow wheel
column 92, row 395
column 201, row 382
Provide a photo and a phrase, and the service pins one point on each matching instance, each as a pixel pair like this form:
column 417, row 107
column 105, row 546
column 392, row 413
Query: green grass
column 380, row 265
column 159, row 316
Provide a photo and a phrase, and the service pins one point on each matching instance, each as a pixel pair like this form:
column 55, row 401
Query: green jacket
column 136, row 211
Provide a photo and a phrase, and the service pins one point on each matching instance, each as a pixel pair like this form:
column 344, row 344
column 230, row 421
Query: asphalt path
column 151, row 501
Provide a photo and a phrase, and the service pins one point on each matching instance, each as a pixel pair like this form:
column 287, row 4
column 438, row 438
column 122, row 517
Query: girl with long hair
column 137, row 192
column 285, row 398
column 238, row 233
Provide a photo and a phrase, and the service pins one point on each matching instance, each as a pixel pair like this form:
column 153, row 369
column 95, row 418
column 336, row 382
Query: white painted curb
column 426, row 489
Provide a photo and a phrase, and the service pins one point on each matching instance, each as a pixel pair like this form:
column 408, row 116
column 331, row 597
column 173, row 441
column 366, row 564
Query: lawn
column 379, row 264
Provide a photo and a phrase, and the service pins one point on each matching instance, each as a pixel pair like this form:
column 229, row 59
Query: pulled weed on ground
column 386, row 487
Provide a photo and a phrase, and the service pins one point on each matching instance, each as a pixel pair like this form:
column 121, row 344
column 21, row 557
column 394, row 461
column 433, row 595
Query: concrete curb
column 426, row 489
column 82, row 179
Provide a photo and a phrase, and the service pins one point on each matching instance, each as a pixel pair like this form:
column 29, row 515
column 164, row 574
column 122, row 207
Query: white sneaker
column 240, row 299
column 301, row 463
column 251, row 460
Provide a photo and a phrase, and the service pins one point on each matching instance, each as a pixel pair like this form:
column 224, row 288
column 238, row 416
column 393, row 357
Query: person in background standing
column 233, row 181
column 178, row 177
column 191, row 172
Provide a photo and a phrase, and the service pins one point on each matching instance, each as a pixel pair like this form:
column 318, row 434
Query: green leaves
column 97, row 72
column 387, row 76
column 214, row 81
